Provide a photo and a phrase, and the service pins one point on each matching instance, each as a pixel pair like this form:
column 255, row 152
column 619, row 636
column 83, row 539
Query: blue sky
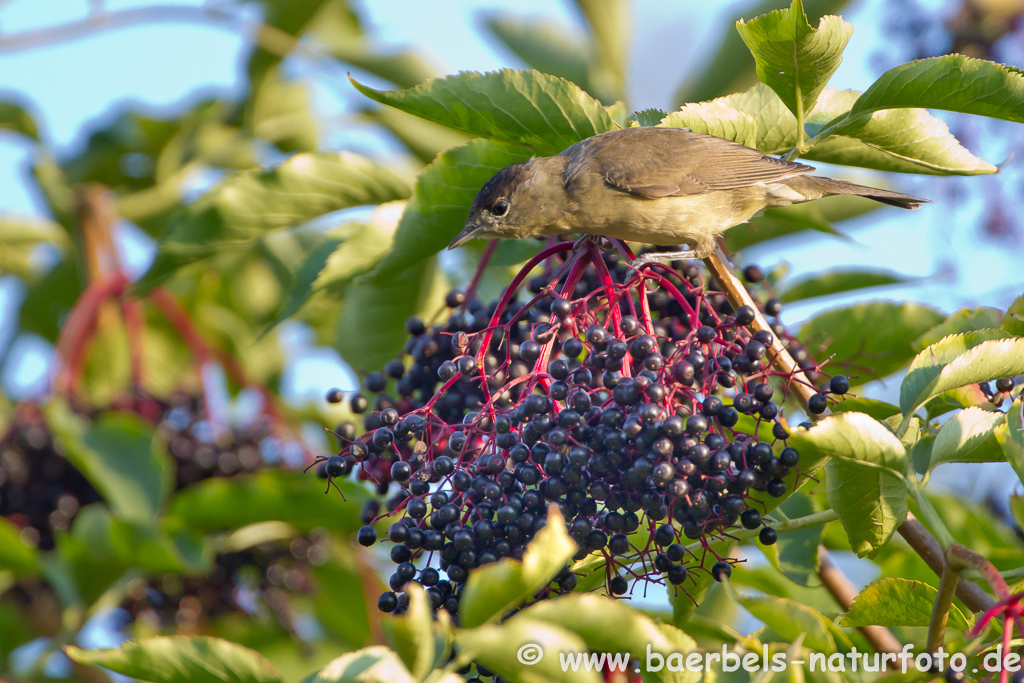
column 75, row 86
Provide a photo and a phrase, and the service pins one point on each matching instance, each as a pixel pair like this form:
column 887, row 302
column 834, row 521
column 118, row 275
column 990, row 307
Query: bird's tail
column 814, row 187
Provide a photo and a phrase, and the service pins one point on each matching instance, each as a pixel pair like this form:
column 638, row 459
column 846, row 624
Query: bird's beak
column 471, row 230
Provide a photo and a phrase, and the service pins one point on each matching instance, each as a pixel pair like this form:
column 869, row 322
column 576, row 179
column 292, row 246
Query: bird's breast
column 666, row 220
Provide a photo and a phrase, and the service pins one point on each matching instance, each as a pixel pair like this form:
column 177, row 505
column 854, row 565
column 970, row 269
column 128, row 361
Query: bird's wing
column 664, row 162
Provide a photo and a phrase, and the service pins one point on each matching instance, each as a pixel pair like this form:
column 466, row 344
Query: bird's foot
column 662, row 257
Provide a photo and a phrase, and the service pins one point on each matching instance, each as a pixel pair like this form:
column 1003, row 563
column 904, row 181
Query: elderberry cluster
column 638, row 402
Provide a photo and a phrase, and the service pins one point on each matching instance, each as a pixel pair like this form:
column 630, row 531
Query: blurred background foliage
column 156, row 489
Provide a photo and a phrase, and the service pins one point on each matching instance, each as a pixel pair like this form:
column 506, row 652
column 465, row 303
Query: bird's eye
column 500, row 208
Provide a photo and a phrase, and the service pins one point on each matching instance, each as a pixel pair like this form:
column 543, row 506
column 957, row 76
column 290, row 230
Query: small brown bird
column 664, row 186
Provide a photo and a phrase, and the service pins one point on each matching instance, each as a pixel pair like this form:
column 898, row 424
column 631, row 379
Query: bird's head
column 501, row 207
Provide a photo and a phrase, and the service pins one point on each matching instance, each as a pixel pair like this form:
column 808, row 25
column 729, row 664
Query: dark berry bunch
column 199, row 453
column 257, row 581
column 40, row 491
column 632, row 400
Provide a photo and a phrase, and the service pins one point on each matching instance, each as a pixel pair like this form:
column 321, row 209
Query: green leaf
column 337, row 32
column 607, row 625
column 16, row 555
column 246, row 207
column 282, row 114
column 646, row 117
column 880, row 410
column 342, row 254
column 20, row 239
column 731, row 68
column 968, row 437
column 610, row 24
column 1017, row 509
column 420, row 645
column 544, row 46
column 1010, row 436
column 795, row 554
column 836, row 282
column 952, row 83
column 496, row 588
column 790, row 619
column 371, row 327
column 1013, row 321
column 870, row 503
column 954, row 399
column 898, row 602
column 793, row 58
column 528, row 108
column 440, row 202
column 964, row 320
column 180, row 659
column 502, row 649
column 371, row 664
column 48, row 301
column 15, row 118
column 291, row 17
column 871, row 340
column 959, row 360
column 423, row 138
column 340, row 604
column 897, row 140
column 715, row 118
column 272, row 495
column 854, row 437
column 119, row 455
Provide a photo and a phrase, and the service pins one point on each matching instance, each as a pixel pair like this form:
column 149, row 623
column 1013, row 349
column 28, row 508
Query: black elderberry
column 596, row 335
column 572, row 347
column 705, row 334
column 401, row 471
column 375, row 382
column 416, row 508
column 676, row 574
column 817, row 404
column 776, row 488
column 665, row 535
column 728, row 417
column 618, row 544
column 696, row 424
column 561, row 308
column 750, row 519
column 754, row 350
column 953, row 676
column 753, row 274
column 721, row 571
column 467, row 365
column 618, row 585
column 744, row 316
column 765, row 337
column 387, row 602
column 336, row 466
column 840, row 384
column 367, row 536
column 743, row 403
column 768, row 536
column 358, row 404
column 335, row 396
column 454, row 299
column 763, row 392
column 773, row 307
